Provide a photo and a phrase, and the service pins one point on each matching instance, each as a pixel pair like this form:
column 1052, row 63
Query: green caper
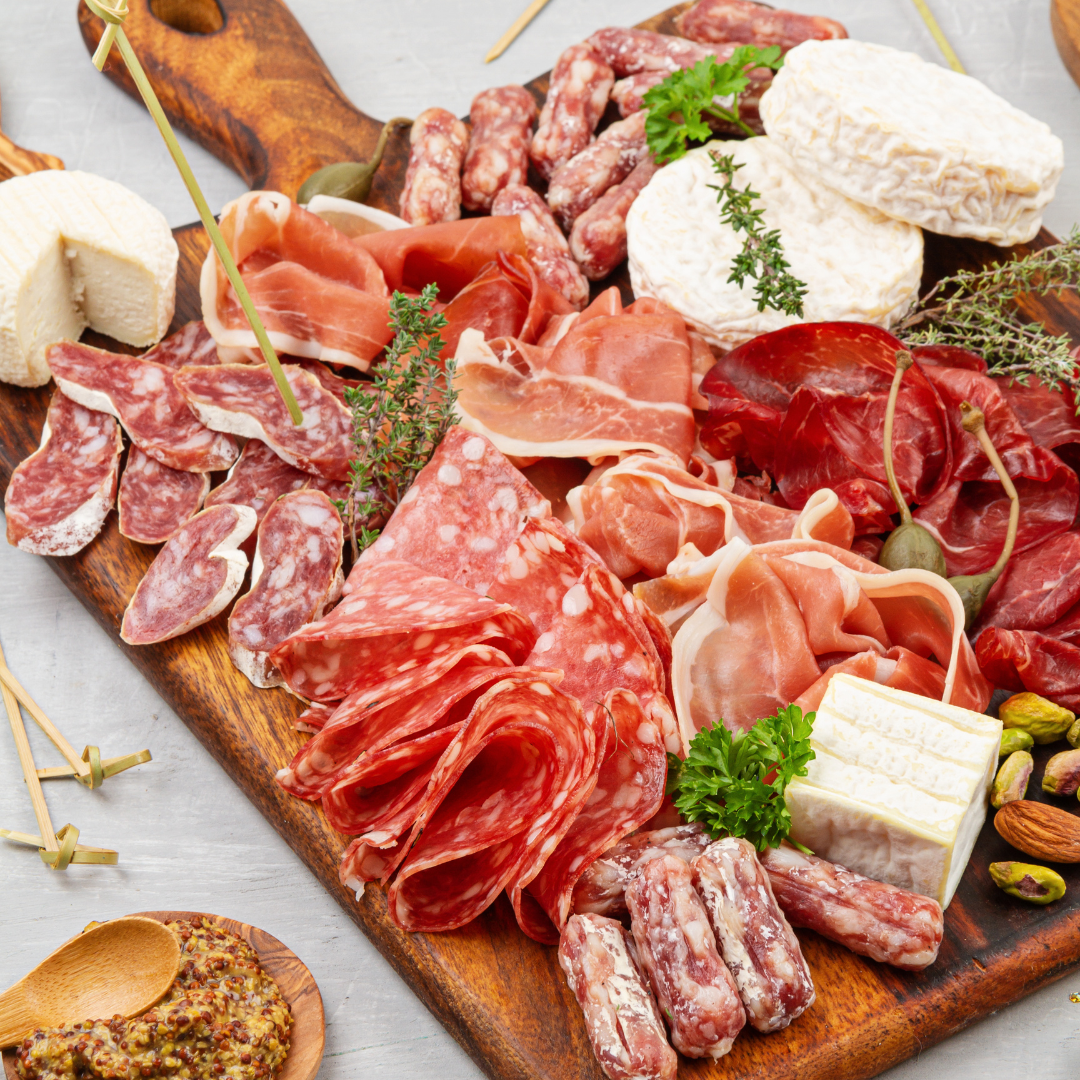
column 348, row 179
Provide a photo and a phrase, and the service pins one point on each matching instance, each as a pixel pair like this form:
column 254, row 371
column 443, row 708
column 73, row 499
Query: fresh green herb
column 977, row 310
column 723, row 781
column 762, row 256
column 678, row 107
column 399, row 418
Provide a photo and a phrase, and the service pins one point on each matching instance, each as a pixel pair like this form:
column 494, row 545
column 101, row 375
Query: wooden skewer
column 9, row 681
column 84, row 853
column 939, row 36
column 520, row 23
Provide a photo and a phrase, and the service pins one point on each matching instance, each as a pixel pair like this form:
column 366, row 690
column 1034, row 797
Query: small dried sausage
column 437, row 145
column 498, row 155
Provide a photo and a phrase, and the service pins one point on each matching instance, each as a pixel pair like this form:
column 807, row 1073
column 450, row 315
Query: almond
column 1042, row 831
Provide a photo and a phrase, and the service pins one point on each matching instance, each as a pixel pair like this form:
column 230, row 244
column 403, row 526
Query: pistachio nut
column 1072, row 736
column 1013, row 739
column 1011, row 782
column 1042, row 719
column 1062, row 775
column 1036, row 884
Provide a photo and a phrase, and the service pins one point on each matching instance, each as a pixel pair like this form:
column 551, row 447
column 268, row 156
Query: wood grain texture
column 501, row 995
column 1065, row 25
column 293, row 979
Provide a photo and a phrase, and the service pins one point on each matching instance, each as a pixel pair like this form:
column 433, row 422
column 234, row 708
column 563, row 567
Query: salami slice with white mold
column 191, row 344
column 154, row 500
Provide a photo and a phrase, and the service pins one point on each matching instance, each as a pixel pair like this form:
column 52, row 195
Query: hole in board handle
column 189, row 16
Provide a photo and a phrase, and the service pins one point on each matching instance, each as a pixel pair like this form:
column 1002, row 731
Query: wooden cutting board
column 250, row 87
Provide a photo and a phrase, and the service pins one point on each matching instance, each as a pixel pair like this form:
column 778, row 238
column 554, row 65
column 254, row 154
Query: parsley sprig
column 399, row 417
column 722, row 783
column 679, row 106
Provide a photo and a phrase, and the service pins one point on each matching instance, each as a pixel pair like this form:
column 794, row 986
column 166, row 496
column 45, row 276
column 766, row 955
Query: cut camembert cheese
column 78, row 251
column 899, row 787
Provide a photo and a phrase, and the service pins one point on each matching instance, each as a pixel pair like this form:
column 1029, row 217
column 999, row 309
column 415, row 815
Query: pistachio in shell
column 1044, row 721
column 1013, row 739
column 1072, row 736
column 1026, row 881
column 1062, row 773
column 1012, row 778
column 348, row 179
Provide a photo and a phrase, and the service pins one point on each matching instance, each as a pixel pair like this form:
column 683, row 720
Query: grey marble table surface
column 187, row 838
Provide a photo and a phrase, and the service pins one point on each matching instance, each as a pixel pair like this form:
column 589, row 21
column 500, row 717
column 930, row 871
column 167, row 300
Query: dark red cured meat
column 440, row 693
column 577, row 96
column 397, row 618
column 868, row 917
column 154, row 500
column 295, row 577
column 678, row 952
column 191, row 344
column 437, row 145
column 627, row 51
column 1048, row 416
column 621, row 1017
column 498, row 155
column 755, row 940
column 758, row 24
column 143, row 396
column 193, row 578
column 460, row 515
column 58, row 498
column 517, row 757
column 244, row 399
column 601, row 890
column 1027, row 660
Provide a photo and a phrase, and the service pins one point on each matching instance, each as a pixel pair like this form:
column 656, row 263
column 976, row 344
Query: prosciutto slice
column 396, row 619
column 616, row 379
column 318, row 293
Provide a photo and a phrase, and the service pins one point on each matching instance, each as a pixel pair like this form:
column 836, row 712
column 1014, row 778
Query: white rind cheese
column 859, row 264
column 77, row 250
column 917, row 141
column 899, row 788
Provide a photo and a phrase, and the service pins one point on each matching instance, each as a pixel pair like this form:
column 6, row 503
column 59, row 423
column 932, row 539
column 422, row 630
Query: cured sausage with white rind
column 437, row 145
column 154, row 500
column 757, row 24
column 498, row 155
column 628, row 51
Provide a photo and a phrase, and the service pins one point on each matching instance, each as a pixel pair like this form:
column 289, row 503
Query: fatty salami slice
column 193, row 578
column 143, row 396
column 375, row 717
column 489, row 802
column 58, row 498
column 396, row 619
column 295, row 576
column 243, row 399
column 191, row 344
column 154, row 500
column 460, row 515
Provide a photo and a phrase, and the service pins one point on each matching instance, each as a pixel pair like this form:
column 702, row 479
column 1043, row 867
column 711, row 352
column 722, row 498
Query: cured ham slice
column 193, row 578
column 144, row 397
column 58, row 498
column 154, row 500
column 1048, row 416
column 459, row 517
column 778, row 615
column 243, row 399
column 616, row 380
column 1029, row 660
column 396, row 618
column 295, row 576
column 318, row 293
column 641, row 512
column 191, row 344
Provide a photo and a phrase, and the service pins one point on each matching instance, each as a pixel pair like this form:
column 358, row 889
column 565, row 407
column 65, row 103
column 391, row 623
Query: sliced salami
column 191, row 344
column 58, row 498
column 143, row 396
column 498, row 155
column 243, row 399
column 154, row 500
column 193, row 578
column 437, row 145
column 460, row 515
column 396, row 619
column 295, row 576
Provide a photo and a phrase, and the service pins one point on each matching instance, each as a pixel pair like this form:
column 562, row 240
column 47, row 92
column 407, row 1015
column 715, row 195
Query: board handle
column 242, row 79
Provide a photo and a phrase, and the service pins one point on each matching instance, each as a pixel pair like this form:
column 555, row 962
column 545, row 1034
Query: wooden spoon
column 123, row 966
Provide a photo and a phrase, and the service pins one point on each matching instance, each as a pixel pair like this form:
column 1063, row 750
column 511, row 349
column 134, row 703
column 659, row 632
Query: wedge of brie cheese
column 78, row 251
column 899, row 788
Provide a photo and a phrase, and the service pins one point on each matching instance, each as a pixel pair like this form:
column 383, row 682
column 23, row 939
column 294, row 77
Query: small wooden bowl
column 294, row 981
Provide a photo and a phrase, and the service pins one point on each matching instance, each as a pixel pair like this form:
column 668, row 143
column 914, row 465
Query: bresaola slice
column 154, row 500
column 295, row 576
column 58, row 498
column 193, row 578
column 143, row 396
column 244, row 400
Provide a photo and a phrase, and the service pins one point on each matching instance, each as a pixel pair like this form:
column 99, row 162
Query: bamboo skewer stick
column 10, row 683
column 109, row 766
column 939, row 36
column 83, row 853
column 520, row 23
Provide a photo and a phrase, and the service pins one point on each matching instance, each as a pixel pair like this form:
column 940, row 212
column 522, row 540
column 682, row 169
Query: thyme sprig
column 976, row 310
column 399, row 418
column 762, row 256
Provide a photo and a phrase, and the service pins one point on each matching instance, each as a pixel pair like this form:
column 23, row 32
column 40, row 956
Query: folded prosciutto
column 616, row 379
column 779, row 619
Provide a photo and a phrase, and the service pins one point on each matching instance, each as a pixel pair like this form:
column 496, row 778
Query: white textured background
column 187, row 838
